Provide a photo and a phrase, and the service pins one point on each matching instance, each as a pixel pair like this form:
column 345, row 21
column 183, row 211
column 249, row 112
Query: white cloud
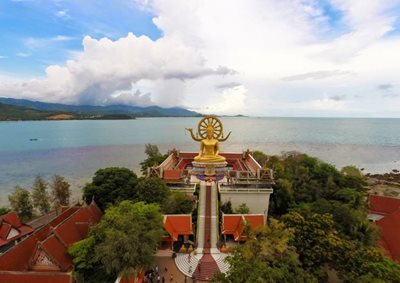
column 232, row 101
column 106, row 67
column 23, row 54
column 250, row 57
column 64, row 14
column 34, row 43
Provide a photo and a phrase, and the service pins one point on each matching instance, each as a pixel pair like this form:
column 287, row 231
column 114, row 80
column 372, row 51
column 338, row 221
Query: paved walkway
column 207, row 267
column 167, row 267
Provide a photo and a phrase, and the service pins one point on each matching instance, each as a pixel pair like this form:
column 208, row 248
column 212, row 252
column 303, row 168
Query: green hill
column 137, row 111
column 19, row 113
column 16, row 113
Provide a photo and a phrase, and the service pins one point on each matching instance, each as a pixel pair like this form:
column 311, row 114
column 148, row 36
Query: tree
column 266, row 257
column 128, row 236
column 21, row 203
column 355, row 262
column 152, row 150
column 226, row 207
column 260, row 157
column 315, row 238
column 154, row 157
column 87, row 268
column 243, row 209
column 60, row 190
column 283, row 197
column 40, row 196
column 178, row 203
column 4, row 210
column 110, row 185
column 351, row 222
column 152, row 190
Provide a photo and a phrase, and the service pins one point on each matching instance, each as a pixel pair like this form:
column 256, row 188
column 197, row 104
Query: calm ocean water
column 76, row 149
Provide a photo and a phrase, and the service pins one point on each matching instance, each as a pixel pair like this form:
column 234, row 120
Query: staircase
column 187, row 264
column 201, row 218
column 220, row 260
column 207, row 266
column 208, row 259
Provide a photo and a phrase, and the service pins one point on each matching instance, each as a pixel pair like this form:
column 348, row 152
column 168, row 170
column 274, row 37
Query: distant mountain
column 11, row 112
column 150, row 111
column 20, row 113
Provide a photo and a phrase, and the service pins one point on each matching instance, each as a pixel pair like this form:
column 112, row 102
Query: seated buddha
column 209, row 148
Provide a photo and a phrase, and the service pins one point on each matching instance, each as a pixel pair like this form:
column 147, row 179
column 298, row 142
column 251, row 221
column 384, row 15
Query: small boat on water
column 34, row 139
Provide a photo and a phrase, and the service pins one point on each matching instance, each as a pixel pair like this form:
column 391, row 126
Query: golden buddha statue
column 211, row 131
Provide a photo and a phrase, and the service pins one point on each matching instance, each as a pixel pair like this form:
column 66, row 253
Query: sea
column 76, row 149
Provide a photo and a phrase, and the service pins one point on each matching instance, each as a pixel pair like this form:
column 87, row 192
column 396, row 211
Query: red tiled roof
column 58, row 252
column 390, row 233
column 11, row 221
column 12, row 218
column 172, row 175
column 138, row 279
column 4, row 230
column 383, row 205
column 178, row 225
column 53, row 239
column 233, row 224
column 35, row 277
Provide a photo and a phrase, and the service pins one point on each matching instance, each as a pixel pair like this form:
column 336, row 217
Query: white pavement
column 187, row 264
column 201, row 218
column 220, row 260
column 214, row 217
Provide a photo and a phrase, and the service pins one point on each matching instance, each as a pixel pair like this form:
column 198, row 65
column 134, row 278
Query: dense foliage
column 21, row 203
column 154, row 158
column 40, row 195
column 178, row 203
column 323, row 226
column 4, row 210
column 122, row 243
column 27, row 203
column 151, row 190
column 266, row 257
column 110, row 185
column 60, row 191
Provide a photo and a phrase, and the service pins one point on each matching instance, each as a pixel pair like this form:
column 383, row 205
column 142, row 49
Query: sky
column 312, row 58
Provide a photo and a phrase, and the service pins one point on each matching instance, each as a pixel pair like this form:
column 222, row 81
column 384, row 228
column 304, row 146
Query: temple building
column 42, row 257
column 216, row 178
column 385, row 213
column 12, row 230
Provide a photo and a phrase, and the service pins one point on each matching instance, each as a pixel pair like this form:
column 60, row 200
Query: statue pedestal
column 209, row 169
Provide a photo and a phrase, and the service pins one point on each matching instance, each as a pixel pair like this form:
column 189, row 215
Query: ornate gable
column 13, row 233
column 42, row 261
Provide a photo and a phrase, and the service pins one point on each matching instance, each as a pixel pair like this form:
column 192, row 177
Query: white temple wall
column 256, row 199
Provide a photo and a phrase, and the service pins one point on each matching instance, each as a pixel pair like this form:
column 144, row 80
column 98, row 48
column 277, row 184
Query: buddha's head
column 210, row 132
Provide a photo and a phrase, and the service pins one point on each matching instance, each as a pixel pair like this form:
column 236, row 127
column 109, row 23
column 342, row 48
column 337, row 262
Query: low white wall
column 256, row 199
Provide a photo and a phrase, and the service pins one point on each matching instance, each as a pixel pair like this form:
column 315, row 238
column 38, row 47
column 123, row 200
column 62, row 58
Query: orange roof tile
column 4, row 230
column 11, row 221
column 178, row 225
column 390, row 233
column 233, row 224
column 35, row 277
column 12, row 218
column 172, row 175
column 57, row 251
column 383, row 205
column 53, row 239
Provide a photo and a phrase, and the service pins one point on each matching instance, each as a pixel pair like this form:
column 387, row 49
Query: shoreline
column 78, row 164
